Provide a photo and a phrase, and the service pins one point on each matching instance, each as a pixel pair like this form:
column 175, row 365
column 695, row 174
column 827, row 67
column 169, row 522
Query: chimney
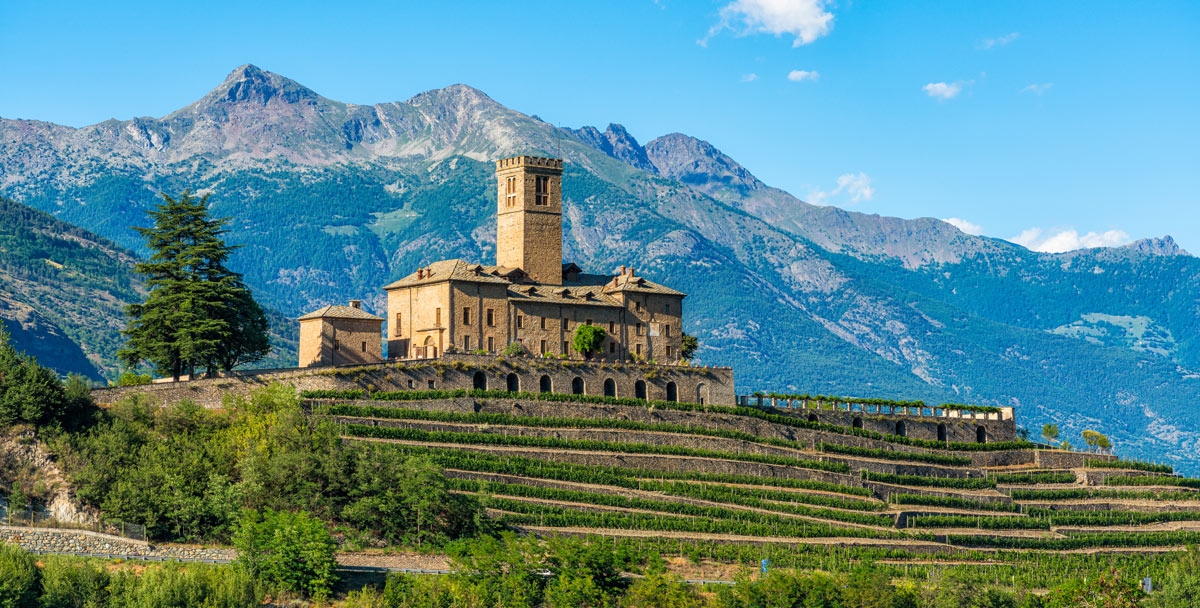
column 356, row 304
column 622, row 269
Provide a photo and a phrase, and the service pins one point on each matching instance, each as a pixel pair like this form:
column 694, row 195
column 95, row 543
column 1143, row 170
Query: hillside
column 797, row 297
column 63, row 293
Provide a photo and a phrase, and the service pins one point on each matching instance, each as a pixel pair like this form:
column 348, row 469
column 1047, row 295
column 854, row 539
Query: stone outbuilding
column 340, row 335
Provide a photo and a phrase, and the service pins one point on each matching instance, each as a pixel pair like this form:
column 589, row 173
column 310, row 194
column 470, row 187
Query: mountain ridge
column 798, row 297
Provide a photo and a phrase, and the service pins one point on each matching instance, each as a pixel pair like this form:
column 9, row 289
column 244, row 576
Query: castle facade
column 530, row 296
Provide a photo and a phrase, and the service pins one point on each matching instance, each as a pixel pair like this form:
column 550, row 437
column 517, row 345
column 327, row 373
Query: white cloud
column 805, row 20
column 942, row 90
column 991, row 43
column 1038, row 89
column 751, row 77
column 851, row 188
column 964, row 225
column 1059, row 241
column 801, row 75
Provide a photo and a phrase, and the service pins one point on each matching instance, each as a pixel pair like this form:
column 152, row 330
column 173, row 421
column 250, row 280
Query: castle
column 530, row 297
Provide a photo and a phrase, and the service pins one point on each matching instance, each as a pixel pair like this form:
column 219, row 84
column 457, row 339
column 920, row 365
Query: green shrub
column 73, row 583
column 20, row 579
column 132, row 378
column 290, row 552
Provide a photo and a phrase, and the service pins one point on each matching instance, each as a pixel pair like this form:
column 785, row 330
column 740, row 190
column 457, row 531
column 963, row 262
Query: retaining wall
column 456, row 371
column 57, row 540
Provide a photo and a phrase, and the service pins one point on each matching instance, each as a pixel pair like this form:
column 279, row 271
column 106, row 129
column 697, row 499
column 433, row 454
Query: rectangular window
column 566, row 347
column 566, row 324
column 639, row 329
column 437, row 316
column 410, row 383
column 638, row 349
column 589, row 321
column 337, row 345
column 612, row 328
column 543, row 347
column 520, row 321
column 491, row 344
column 542, row 190
column 399, row 325
column 491, row 317
column 466, row 342
column 466, row 316
column 637, row 306
column 432, row 385
column 511, row 194
column 612, row 347
column 666, row 330
column 364, row 347
column 670, row 352
column 667, row 308
column 545, row 322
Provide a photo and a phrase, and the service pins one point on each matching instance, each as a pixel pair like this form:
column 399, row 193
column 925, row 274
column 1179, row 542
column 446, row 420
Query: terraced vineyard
column 738, row 483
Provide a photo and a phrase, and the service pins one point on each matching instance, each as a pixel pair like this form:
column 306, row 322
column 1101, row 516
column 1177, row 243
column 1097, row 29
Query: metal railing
column 35, row 518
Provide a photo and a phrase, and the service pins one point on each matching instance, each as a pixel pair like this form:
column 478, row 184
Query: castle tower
column 529, row 216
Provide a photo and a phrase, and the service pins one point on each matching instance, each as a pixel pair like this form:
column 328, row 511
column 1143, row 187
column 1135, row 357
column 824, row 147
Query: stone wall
column 56, row 540
column 454, row 371
column 933, row 423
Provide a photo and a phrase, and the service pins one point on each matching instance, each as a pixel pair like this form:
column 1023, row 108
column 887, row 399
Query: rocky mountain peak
column 616, row 142
column 694, row 161
column 1165, row 246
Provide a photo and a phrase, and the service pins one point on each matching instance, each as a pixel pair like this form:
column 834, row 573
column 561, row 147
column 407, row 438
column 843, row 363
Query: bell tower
column 529, row 216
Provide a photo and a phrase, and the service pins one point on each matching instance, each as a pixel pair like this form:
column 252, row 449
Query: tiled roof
column 341, row 312
column 597, row 284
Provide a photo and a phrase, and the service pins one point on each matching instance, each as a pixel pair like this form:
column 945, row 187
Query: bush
column 514, row 349
column 132, row 378
column 71, row 583
column 290, row 552
column 587, row 339
column 20, row 580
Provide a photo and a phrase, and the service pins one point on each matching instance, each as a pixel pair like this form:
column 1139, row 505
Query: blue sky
column 1077, row 122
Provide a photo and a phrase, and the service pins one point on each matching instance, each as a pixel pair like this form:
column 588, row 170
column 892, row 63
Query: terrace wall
column 453, row 371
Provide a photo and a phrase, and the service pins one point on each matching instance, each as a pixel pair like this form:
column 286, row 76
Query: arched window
column 610, row 388
column 514, row 383
column 980, row 435
column 901, row 428
column 479, row 381
column 545, row 386
column 856, row 423
column 577, row 386
column 941, row 431
column 672, row 392
column 639, row 389
column 702, row 393
column 812, row 418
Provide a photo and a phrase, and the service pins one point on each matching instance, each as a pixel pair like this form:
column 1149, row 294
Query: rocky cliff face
column 796, row 296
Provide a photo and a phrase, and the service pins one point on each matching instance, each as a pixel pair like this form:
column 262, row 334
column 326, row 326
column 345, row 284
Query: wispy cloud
column 801, row 75
column 751, row 77
column 964, row 225
column 851, row 188
column 1058, row 241
column 991, row 43
column 804, row 20
column 1038, row 89
column 945, row 90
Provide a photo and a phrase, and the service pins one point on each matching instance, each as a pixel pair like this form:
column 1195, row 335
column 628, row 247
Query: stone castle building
column 528, row 297
column 340, row 335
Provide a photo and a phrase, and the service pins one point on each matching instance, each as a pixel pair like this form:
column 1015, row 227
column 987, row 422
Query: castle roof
column 581, row 289
column 341, row 312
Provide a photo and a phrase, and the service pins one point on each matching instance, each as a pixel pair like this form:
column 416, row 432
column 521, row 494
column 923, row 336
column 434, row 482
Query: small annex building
column 340, row 335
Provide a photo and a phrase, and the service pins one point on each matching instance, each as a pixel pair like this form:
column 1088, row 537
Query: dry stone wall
column 55, row 540
column 451, row 371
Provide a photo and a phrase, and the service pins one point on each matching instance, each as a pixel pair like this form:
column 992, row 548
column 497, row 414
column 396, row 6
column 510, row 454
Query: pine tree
column 199, row 313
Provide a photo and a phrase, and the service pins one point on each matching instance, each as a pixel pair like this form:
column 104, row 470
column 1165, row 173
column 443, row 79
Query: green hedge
column 1011, row 522
column 357, row 430
column 1081, row 493
column 970, row 483
column 1131, row 464
column 881, row 454
column 953, row 502
column 1034, row 478
column 1151, row 480
column 1113, row 518
column 1082, row 541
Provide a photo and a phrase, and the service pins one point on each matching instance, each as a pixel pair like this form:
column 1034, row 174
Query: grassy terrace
column 395, row 413
column 750, row 412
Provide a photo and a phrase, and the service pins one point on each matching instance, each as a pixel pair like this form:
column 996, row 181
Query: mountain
column 798, row 297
